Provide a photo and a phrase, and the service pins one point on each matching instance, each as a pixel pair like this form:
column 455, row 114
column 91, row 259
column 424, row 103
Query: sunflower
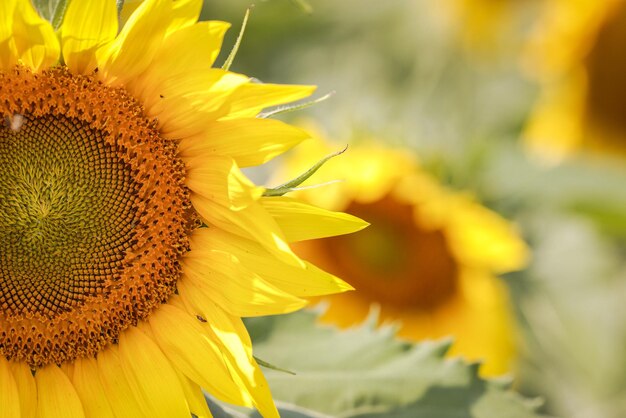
column 429, row 258
column 576, row 54
column 131, row 244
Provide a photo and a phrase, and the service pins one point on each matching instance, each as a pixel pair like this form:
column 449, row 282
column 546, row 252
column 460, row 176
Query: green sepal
column 52, row 10
column 120, row 6
column 292, row 185
column 292, row 108
column 233, row 52
column 272, row 367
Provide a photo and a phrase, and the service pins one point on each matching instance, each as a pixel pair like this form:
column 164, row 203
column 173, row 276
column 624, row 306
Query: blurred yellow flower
column 484, row 26
column 429, row 258
column 576, row 52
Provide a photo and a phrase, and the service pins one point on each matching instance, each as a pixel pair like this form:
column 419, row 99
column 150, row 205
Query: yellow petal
column 56, row 395
column 86, row 381
column 221, row 180
column 116, row 386
column 185, row 104
column 184, row 13
column 301, row 221
column 8, row 49
column 234, row 342
column 26, row 387
column 221, row 277
column 305, row 280
column 151, row 376
column 174, row 58
column 122, row 61
column 35, row 40
column 248, row 141
column 9, row 396
column 184, row 341
column 251, row 98
column 195, row 398
column 252, row 222
column 86, row 27
column 224, row 197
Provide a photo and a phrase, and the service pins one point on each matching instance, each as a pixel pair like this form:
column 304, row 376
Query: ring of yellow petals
column 240, row 265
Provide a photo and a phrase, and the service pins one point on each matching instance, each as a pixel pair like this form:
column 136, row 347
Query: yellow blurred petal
column 183, row 340
column 222, row 278
column 556, row 125
column 251, row 98
column 56, row 396
column 122, row 61
column 8, row 49
column 86, row 381
column 301, row 221
column 26, row 387
column 485, row 329
column 303, row 280
column 151, row 376
column 248, row 141
column 116, row 386
column 35, row 40
column 86, row 27
column 481, row 238
column 9, row 395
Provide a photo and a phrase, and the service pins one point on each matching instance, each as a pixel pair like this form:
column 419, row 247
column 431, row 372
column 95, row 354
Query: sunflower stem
column 233, row 52
column 292, row 185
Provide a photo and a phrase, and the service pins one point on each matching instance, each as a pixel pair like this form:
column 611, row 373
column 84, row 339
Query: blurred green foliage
column 407, row 79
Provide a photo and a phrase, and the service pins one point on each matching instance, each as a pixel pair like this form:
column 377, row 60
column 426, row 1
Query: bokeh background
column 522, row 104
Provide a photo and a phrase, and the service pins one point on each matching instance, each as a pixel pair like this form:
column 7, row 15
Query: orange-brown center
column 94, row 215
column 606, row 67
column 392, row 261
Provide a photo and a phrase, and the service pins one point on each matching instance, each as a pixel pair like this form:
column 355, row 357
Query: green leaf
column 286, row 411
column 365, row 372
column 52, row 10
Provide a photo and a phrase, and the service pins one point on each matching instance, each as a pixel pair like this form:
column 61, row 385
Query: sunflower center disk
column 68, row 210
column 94, row 216
column 393, row 260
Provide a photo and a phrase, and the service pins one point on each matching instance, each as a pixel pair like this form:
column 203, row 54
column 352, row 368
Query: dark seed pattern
column 94, row 215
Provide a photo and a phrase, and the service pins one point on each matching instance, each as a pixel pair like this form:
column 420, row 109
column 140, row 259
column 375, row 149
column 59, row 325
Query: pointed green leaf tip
column 233, row 52
column 292, row 185
column 272, row 367
column 52, row 10
column 292, row 108
column 120, row 6
column 366, row 372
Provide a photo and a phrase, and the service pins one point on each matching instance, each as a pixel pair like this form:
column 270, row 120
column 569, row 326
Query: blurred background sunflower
column 429, row 258
column 575, row 52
